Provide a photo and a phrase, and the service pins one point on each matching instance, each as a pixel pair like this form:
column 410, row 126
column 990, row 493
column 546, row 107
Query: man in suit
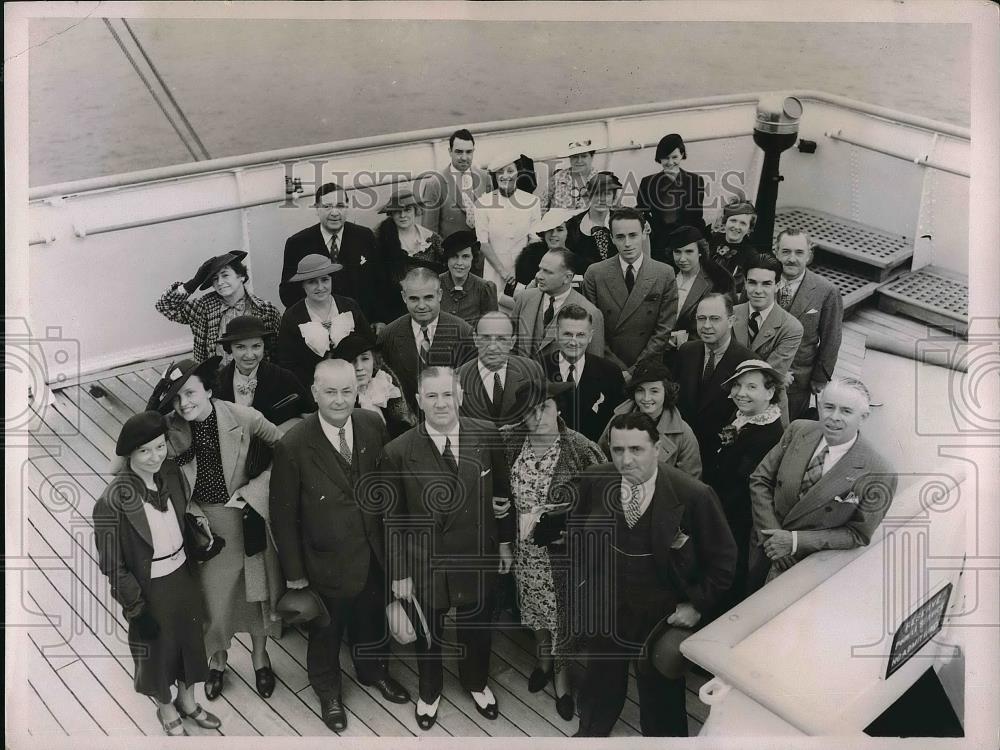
column 760, row 325
column 331, row 541
column 637, row 295
column 818, row 306
column 351, row 245
column 649, row 542
column 535, row 309
column 451, row 532
column 490, row 382
column 702, row 366
column 448, row 196
column 823, row 486
column 599, row 385
column 425, row 335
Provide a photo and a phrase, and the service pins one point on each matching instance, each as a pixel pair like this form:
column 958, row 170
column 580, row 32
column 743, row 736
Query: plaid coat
column 205, row 313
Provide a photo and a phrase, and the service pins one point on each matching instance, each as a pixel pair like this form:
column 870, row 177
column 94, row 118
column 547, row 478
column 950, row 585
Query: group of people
column 443, row 412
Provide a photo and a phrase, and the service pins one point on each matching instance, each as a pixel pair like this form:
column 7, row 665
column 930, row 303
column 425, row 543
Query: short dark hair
column 227, row 346
column 727, row 300
column 574, row 312
column 461, row 134
column 634, row 420
column 568, row 257
column 239, row 269
column 626, row 213
column 767, row 262
column 327, row 187
column 207, row 377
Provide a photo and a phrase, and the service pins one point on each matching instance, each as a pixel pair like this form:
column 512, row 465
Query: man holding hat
column 208, row 315
column 652, row 547
column 588, row 233
column 330, row 540
column 463, row 293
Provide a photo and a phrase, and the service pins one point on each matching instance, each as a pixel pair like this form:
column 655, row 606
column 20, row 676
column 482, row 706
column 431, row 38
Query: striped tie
column 425, row 346
column 345, row 449
column 814, row 471
column 754, row 325
column 631, row 505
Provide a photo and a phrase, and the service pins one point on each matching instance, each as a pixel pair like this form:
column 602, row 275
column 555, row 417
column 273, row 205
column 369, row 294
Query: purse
column 254, row 532
column 197, row 544
column 259, row 455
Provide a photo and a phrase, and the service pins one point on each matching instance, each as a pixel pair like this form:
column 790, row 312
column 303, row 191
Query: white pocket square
column 363, row 260
column 811, row 312
column 679, row 540
column 597, row 404
column 484, row 473
column 851, row 499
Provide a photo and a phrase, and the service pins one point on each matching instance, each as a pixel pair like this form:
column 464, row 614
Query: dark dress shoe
column 213, row 685
column 265, row 681
column 538, row 679
column 333, row 712
column 425, row 721
column 566, row 706
column 391, row 690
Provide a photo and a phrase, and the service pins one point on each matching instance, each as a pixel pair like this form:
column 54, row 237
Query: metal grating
column 847, row 238
column 931, row 290
column 845, row 281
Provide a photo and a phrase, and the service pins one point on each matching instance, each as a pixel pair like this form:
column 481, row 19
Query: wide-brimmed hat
column 551, row 219
column 502, row 159
column 667, row 145
column 648, row 371
column 582, row 146
column 456, row 242
column 401, row 197
column 682, row 237
column 301, row 606
column 242, row 328
column 352, row 346
column 753, row 365
column 218, row 263
column 313, row 266
column 174, row 378
column 407, row 621
column 138, row 430
column 603, row 181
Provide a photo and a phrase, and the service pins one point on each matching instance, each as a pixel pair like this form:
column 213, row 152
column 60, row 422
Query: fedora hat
column 401, row 197
column 313, row 266
column 582, row 146
column 352, row 346
column 174, row 378
column 406, row 621
column 242, row 328
column 138, row 430
column 300, row 606
column 660, row 651
column 552, row 219
column 753, row 365
column 217, row 263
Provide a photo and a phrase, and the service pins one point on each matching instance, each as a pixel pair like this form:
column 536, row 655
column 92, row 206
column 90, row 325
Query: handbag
column 259, row 455
column 198, row 545
column 254, row 532
column 403, row 625
column 548, row 528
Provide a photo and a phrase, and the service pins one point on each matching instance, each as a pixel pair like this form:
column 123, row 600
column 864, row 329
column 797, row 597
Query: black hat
column 352, row 346
column 138, row 430
column 242, row 328
column 532, row 392
column 456, row 242
column 174, row 378
column 683, row 236
column 603, row 181
column 218, row 263
column 667, row 144
column 301, row 606
column 648, row 371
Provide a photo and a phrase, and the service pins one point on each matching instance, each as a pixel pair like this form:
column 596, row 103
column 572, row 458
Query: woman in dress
column 210, row 441
column 653, row 392
column 463, row 293
column 589, row 232
column 568, row 187
column 755, row 387
column 503, row 225
column 313, row 326
column 209, row 315
column 553, row 231
column 545, row 457
column 378, row 388
column 730, row 244
column 138, row 529
column 672, row 197
column 403, row 243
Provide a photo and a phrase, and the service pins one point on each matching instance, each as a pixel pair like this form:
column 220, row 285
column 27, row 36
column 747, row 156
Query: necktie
column 754, row 325
column 571, row 375
column 629, row 278
column 630, row 505
column 785, row 297
column 497, row 393
column 345, row 449
column 425, row 346
column 814, row 471
column 550, row 312
column 448, row 456
column 709, row 366
column 333, row 248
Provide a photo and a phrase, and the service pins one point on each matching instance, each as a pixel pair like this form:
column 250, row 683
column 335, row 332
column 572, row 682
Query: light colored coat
column 678, row 446
column 534, row 340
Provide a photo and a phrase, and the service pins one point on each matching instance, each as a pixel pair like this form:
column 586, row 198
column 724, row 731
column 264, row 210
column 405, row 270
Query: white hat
column 580, row 146
column 551, row 219
column 502, row 159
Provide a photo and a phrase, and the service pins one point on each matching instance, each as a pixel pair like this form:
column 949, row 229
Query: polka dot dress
column 210, row 483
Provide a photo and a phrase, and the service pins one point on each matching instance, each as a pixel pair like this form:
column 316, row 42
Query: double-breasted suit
column 863, row 480
column 477, row 403
column 776, row 341
column 637, row 325
column 534, row 339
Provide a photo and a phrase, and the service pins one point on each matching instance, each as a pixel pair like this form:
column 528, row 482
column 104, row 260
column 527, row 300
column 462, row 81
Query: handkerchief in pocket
column 680, row 539
column 316, row 337
column 811, row 312
column 597, row 404
column 851, row 498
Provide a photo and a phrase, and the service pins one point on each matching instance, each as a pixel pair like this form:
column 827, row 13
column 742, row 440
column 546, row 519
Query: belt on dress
column 167, row 557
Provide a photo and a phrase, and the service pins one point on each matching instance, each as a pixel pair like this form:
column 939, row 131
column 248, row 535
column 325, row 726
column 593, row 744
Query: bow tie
column 247, row 387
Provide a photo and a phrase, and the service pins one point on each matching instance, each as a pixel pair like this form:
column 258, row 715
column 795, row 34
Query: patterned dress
column 564, row 192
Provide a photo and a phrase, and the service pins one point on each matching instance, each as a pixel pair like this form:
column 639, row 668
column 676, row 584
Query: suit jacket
column 776, row 341
column 358, row 253
column 701, row 286
column 123, row 539
column 649, row 198
column 698, row 571
column 588, row 407
column 476, row 402
column 293, row 353
column 443, row 520
column 819, row 307
column 706, row 406
column 442, row 209
column 636, row 325
column 279, row 395
column 452, row 345
column 529, row 313
column 820, row 520
column 323, row 532
column 678, row 446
